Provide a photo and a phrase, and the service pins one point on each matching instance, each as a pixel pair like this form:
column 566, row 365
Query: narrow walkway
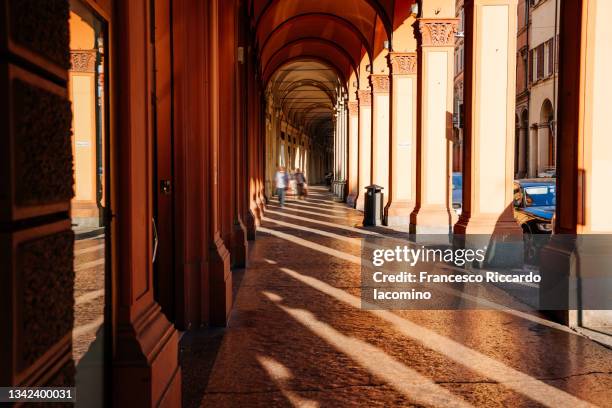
column 298, row 337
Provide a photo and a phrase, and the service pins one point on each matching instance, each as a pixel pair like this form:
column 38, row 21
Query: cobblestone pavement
column 298, row 337
column 88, row 295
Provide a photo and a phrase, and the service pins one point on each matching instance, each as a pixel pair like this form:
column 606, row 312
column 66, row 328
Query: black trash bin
column 373, row 205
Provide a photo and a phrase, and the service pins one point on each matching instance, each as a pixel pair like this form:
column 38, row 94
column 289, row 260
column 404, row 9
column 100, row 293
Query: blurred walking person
column 281, row 180
column 300, row 181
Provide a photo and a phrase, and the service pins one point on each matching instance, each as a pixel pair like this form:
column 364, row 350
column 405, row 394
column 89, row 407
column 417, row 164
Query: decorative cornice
column 403, row 63
column 365, row 97
column 353, row 107
column 83, row 61
column 380, row 83
column 438, row 32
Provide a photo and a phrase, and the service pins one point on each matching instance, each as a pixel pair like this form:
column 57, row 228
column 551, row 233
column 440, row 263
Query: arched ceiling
column 329, row 29
column 325, row 51
column 363, row 14
column 311, row 28
column 308, row 49
column 306, row 91
column 286, row 29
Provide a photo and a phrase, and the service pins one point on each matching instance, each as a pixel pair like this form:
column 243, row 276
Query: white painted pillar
column 522, row 159
column 353, row 153
column 380, row 132
column 403, row 138
column 433, row 213
column 490, row 111
column 543, row 147
column 365, row 143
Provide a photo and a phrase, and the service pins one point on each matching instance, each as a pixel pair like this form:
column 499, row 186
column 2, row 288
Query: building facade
column 522, row 89
column 458, row 117
column 543, row 37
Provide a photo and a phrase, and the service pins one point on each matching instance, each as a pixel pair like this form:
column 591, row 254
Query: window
column 540, row 63
column 525, row 71
column 551, row 57
column 531, row 75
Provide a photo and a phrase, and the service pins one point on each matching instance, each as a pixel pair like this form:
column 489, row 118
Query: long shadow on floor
column 197, row 354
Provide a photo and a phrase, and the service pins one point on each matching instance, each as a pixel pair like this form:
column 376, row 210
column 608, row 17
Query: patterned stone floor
column 88, row 293
column 298, row 337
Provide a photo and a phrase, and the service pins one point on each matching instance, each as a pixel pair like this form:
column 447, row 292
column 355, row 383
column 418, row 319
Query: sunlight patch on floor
column 328, row 224
column 405, row 380
column 280, row 375
column 518, row 381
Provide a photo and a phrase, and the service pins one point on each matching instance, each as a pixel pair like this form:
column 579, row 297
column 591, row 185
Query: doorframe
column 104, row 12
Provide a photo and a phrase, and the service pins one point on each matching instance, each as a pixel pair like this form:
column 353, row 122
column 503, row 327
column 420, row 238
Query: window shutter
column 530, row 77
column 551, row 56
column 540, row 63
column 557, row 53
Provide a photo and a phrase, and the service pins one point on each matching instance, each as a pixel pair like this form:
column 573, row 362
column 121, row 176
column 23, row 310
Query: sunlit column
column 433, row 212
column 490, row 63
column 403, row 138
column 594, row 141
column 353, row 153
column 522, row 151
column 343, row 149
column 532, row 166
column 584, row 169
column 380, row 131
column 364, row 98
column 543, row 141
column 336, row 153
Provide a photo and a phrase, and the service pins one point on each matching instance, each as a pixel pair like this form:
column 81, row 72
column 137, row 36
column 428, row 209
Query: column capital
column 353, row 107
column 365, row 97
column 379, row 83
column 403, row 63
column 438, row 32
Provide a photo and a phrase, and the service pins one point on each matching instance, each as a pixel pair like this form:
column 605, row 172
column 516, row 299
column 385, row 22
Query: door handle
column 155, row 240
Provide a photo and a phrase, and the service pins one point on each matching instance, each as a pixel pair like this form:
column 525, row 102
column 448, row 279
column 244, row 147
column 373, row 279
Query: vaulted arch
column 328, row 26
column 267, row 14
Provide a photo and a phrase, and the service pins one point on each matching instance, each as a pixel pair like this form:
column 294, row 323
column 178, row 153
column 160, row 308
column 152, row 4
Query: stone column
column 433, row 212
column 522, row 152
column 584, row 169
column 490, row 72
column 403, row 138
column 365, row 143
column 380, row 132
column 353, row 153
column 532, row 165
column 343, row 149
column 336, row 153
column 543, row 142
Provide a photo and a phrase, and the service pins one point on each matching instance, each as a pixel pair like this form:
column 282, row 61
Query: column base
column 432, row 220
column 557, row 263
column 360, row 203
column 340, row 191
column 146, row 370
column 239, row 245
column 397, row 214
column 351, row 200
column 575, row 286
column 504, row 224
column 220, row 283
column 261, row 207
column 500, row 235
column 251, row 225
column 257, row 212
